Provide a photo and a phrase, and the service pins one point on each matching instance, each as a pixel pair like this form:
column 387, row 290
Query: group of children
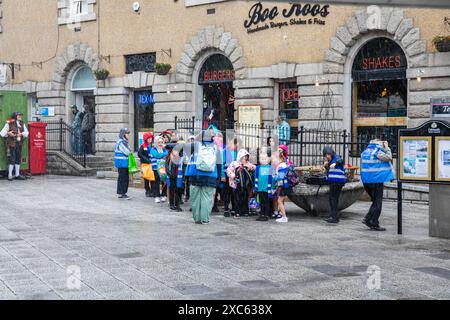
column 241, row 187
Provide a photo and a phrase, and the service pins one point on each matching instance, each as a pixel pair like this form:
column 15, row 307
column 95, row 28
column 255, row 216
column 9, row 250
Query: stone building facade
column 303, row 53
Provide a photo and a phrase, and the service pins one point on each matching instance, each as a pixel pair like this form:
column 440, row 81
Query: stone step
column 105, row 164
column 96, row 159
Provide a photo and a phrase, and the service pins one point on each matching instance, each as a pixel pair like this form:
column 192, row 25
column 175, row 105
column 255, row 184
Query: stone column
column 171, row 99
column 112, row 107
column 434, row 83
column 311, row 97
column 48, row 97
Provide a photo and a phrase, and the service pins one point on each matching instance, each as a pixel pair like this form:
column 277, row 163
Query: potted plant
column 101, row 74
column 162, row 68
column 442, row 43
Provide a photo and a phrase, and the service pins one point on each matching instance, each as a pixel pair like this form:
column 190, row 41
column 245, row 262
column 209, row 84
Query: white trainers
column 282, row 220
column 163, row 199
column 157, row 200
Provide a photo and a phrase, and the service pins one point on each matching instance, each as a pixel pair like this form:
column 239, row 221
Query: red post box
column 38, row 157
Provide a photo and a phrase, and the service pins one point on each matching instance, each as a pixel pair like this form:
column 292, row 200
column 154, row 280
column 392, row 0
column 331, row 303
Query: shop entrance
column 216, row 78
column 380, row 90
column 143, row 116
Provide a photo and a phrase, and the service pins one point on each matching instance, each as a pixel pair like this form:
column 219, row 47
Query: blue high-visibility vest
column 336, row 174
column 120, row 158
column 373, row 170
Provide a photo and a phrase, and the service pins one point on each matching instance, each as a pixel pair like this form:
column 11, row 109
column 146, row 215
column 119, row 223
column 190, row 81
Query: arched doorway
column 81, row 94
column 216, row 79
column 380, row 90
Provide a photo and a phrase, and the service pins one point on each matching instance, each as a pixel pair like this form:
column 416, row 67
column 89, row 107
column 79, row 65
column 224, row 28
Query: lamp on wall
column 419, row 75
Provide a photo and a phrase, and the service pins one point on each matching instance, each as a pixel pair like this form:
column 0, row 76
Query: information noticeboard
column 442, row 156
column 415, row 160
column 424, row 153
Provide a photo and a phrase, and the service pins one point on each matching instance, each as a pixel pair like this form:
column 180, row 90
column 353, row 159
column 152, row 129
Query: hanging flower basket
column 442, row 43
column 162, row 68
column 101, row 74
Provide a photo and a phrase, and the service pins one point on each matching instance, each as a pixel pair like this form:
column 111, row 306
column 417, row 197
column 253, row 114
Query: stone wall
column 434, row 83
column 112, row 105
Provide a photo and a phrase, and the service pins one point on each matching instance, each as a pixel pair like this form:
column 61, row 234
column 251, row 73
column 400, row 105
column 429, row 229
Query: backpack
column 206, row 158
column 162, row 170
column 292, row 178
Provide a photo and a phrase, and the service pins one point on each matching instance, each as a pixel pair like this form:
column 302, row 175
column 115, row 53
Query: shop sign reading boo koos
column 261, row 18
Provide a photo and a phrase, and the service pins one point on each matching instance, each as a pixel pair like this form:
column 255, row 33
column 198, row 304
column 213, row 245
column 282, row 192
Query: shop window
column 288, row 103
column 143, row 115
column 380, row 90
column 140, row 62
column 216, row 77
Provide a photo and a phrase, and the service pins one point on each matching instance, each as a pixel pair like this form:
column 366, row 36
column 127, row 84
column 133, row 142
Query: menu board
column 249, row 115
column 415, row 157
column 249, row 120
column 442, row 159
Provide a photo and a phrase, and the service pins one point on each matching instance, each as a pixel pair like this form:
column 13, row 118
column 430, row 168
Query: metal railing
column 304, row 150
column 63, row 138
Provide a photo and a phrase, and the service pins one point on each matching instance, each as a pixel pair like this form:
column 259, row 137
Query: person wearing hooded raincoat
column 336, row 179
column 144, row 156
column 121, row 153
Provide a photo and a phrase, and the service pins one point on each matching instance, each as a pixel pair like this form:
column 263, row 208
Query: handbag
column 132, row 166
column 147, row 172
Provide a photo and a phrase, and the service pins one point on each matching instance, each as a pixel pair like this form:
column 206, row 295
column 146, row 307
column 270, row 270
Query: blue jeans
column 76, row 141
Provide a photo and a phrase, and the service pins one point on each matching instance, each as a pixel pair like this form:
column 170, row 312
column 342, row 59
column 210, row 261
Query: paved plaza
column 71, row 238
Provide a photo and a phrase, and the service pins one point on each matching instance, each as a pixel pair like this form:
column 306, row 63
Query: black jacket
column 144, row 155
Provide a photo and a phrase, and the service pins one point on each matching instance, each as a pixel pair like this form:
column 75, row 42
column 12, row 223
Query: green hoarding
column 12, row 101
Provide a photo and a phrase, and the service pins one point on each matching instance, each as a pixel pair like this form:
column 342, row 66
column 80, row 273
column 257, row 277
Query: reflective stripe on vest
column 336, row 174
column 373, row 170
column 120, row 159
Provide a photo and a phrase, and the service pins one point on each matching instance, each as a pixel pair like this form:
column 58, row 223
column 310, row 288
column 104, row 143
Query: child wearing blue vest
column 229, row 154
column 174, row 168
column 336, row 179
column 158, row 156
column 263, row 186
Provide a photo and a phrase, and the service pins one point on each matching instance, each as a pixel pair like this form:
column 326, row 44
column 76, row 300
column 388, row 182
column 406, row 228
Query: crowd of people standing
column 210, row 173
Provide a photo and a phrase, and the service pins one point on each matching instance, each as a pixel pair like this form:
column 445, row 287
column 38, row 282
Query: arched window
column 380, row 90
column 83, row 80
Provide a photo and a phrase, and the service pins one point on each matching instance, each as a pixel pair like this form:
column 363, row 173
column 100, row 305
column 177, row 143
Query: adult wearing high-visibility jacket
column 336, row 179
column 121, row 153
column 376, row 169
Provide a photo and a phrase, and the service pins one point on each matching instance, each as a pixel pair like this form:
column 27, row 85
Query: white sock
column 10, row 171
column 17, row 170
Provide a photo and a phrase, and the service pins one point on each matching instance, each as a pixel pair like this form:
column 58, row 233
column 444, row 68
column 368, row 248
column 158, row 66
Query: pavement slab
column 71, row 238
